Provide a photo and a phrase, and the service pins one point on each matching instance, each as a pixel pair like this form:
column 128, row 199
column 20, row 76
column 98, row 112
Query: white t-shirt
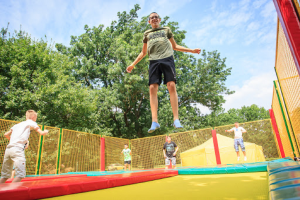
column 238, row 132
column 127, row 156
column 20, row 133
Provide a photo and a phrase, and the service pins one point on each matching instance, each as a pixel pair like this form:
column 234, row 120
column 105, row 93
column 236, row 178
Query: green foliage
column 245, row 114
column 85, row 86
column 33, row 76
column 101, row 57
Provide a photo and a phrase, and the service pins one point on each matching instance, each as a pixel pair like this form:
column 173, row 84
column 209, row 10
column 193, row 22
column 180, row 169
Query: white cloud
column 257, row 90
column 61, row 19
column 163, row 7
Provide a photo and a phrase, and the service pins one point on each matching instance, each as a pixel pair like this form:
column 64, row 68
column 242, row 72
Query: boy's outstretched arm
column 177, row 47
column 164, row 152
column 7, row 134
column 40, row 131
column 138, row 59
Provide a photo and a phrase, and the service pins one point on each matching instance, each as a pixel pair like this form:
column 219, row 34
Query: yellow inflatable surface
column 205, row 153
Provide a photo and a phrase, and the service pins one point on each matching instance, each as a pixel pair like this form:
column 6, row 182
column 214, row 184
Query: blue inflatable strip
column 239, row 168
column 285, row 183
column 283, row 176
column 91, row 173
column 104, row 173
column 285, row 169
column 232, row 168
column 290, row 193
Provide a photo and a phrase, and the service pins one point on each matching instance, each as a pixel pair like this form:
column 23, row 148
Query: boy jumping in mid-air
column 238, row 140
column 14, row 154
column 170, row 149
column 127, row 157
column 159, row 43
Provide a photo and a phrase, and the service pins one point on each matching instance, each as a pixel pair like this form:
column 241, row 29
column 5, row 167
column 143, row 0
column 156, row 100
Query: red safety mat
column 38, row 178
column 39, row 189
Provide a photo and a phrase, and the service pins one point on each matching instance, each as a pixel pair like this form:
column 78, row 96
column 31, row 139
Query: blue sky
column 243, row 31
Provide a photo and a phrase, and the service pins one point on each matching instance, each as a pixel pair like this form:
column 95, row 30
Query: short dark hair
column 151, row 14
column 126, row 144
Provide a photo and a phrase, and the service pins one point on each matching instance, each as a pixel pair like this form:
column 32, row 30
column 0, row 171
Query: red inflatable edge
column 38, row 178
column 47, row 188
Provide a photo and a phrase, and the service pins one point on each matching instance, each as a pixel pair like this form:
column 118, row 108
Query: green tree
column 244, row 114
column 102, row 55
column 34, row 76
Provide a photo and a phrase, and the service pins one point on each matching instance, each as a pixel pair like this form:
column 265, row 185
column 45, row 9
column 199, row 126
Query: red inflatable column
column 275, row 128
column 216, row 146
column 102, row 154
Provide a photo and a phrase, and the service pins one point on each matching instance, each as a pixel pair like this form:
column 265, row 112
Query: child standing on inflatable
column 14, row 154
column 159, row 43
column 238, row 140
column 170, row 150
column 127, row 157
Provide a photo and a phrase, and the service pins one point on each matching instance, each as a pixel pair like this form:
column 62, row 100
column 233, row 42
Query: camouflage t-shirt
column 158, row 44
column 127, row 156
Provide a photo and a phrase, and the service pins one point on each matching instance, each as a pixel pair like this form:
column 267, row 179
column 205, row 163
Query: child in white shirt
column 14, row 154
column 238, row 140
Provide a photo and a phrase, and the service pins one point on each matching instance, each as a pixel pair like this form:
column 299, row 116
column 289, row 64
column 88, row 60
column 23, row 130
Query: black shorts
column 127, row 162
column 164, row 66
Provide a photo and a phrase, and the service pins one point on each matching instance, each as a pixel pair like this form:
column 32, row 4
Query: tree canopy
column 85, row 87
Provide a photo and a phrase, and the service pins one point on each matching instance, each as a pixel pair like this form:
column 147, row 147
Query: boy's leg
column 129, row 163
column 153, row 88
column 243, row 148
column 173, row 98
column 167, row 162
column 174, row 103
column 7, row 166
column 3, row 180
column 236, row 147
column 20, row 164
column 174, row 162
column 125, row 166
column 17, row 179
column 13, row 174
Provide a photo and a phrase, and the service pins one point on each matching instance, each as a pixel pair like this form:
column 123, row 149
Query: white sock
column 238, row 158
column 245, row 158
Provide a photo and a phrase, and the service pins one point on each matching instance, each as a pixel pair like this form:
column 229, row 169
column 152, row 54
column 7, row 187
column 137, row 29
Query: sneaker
column 177, row 124
column 245, row 158
column 238, row 159
column 154, row 126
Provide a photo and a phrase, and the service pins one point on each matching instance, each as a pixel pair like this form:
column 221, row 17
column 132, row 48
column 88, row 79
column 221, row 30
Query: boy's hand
column 226, row 131
column 196, row 50
column 165, row 156
column 27, row 145
column 174, row 154
column 129, row 68
column 46, row 132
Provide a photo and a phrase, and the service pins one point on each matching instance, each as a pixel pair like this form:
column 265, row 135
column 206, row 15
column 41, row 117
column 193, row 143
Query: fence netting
column 113, row 149
column 79, row 152
column 63, row 151
column 258, row 132
column 287, row 106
